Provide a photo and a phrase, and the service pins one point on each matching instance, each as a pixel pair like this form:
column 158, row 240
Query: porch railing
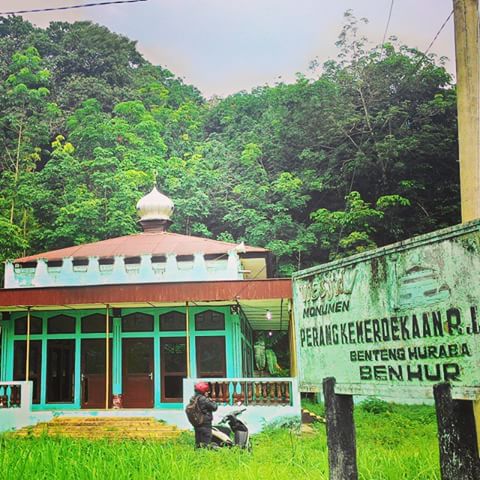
column 248, row 391
column 16, row 395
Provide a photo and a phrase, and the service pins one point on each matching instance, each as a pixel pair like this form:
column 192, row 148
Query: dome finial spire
column 155, row 210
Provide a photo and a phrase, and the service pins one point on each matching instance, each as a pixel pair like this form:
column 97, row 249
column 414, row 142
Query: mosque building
column 132, row 322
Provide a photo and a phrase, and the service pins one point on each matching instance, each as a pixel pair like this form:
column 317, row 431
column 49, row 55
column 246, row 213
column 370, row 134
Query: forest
column 359, row 153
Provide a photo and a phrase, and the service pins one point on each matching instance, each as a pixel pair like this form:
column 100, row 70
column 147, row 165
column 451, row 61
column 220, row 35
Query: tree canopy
column 360, row 153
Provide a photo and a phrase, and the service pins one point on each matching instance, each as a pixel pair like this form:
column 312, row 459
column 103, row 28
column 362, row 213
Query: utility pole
column 466, row 18
column 467, row 45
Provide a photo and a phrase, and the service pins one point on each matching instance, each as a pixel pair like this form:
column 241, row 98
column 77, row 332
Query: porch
column 267, row 401
column 99, row 350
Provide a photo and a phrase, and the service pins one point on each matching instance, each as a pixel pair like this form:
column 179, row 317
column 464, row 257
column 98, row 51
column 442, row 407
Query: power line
column 388, row 23
column 438, row 33
column 70, row 7
column 425, row 53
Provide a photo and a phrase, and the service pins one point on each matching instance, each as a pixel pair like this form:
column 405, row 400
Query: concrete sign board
column 396, row 320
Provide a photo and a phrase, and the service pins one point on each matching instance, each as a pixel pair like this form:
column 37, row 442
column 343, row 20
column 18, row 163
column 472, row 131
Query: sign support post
column 456, row 436
column 342, row 451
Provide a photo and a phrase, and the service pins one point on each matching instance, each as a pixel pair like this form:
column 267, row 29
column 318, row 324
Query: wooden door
column 173, row 358
column 138, row 373
column 60, row 371
column 93, row 373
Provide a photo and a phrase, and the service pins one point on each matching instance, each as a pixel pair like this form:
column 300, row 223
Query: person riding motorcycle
column 203, row 432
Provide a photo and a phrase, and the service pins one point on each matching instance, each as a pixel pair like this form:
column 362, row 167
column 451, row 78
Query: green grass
column 395, row 442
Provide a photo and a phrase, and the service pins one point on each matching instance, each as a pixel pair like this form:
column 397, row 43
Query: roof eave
column 146, row 293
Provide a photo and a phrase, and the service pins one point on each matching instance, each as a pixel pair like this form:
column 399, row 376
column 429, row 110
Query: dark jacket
column 207, row 406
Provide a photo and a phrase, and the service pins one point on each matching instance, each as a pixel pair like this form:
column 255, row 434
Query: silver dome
column 155, row 206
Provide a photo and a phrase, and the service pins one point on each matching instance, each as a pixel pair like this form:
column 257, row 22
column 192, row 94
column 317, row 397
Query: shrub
column 376, row 406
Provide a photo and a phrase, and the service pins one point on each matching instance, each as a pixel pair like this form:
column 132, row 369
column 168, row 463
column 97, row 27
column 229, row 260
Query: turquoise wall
column 232, row 334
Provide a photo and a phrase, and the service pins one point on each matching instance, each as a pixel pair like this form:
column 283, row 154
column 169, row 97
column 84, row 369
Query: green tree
column 27, row 120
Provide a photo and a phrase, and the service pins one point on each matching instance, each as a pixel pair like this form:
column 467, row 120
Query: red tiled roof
column 158, row 243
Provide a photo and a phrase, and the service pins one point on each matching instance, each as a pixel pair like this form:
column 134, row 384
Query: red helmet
column 202, row 387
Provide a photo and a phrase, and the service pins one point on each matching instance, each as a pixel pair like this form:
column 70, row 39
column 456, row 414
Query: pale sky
column 223, row 46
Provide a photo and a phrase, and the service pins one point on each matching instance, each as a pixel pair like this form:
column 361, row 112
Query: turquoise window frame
column 231, row 333
column 78, row 336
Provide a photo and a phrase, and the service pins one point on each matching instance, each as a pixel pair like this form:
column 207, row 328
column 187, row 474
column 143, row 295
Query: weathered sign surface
column 406, row 315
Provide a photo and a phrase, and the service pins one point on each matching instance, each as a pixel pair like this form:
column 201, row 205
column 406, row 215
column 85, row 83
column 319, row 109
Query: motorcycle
column 234, row 435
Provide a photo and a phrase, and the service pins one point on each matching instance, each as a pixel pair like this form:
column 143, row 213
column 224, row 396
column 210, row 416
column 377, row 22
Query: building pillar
column 107, row 356
column 6, row 338
column 292, row 341
column 117, row 359
column 187, row 338
column 27, row 350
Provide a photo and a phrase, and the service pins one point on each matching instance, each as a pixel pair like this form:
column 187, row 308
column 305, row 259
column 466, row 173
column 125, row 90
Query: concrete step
column 93, row 429
column 108, row 425
column 107, row 435
column 105, row 420
column 104, row 427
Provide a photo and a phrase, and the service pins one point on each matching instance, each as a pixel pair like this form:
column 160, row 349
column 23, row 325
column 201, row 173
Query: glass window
column 21, row 325
column 95, row 323
column 35, row 364
column 210, row 320
column 174, row 368
column 138, row 355
column 61, row 324
column 174, row 357
column 137, row 322
column 210, row 356
column 93, row 356
column 172, row 321
column 173, row 388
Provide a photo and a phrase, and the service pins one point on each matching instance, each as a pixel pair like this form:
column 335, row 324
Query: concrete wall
column 12, row 418
column 226, row 267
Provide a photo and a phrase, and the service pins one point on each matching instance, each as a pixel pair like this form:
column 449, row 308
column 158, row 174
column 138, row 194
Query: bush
column 289, row 422
column 376, row 406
